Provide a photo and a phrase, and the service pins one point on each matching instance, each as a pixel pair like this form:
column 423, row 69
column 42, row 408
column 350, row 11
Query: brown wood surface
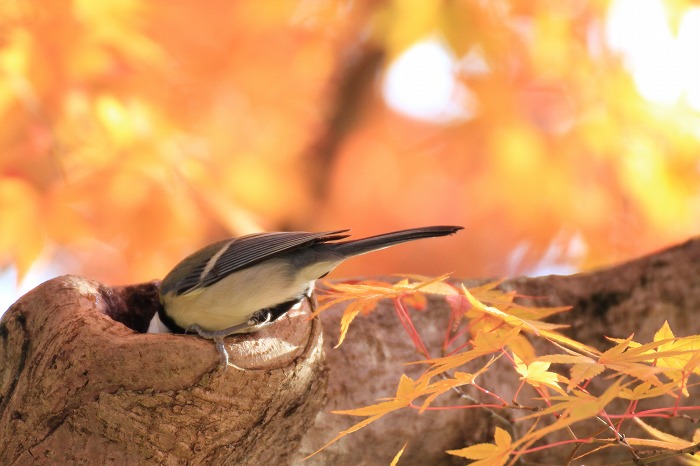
column 78, row 387
column 80, row 383
column 634, row 297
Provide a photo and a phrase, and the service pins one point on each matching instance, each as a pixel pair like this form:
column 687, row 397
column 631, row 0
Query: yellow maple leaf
column 673, row 442
column 395, row 461
column 407, row 391
column 582, row 367
column 459, row 379
column 488, row 454
column 364, row 296
column 646, row 390
column 485, row 344
column 570, row 409
column 537, row 374
column 636, row 360
column 684, row 362
column 349, row 314
column 489, row 293
column 478, row 306
column 667, row 441
column 512, row 318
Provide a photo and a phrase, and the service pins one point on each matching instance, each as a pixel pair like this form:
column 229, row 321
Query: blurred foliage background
column 562, row 135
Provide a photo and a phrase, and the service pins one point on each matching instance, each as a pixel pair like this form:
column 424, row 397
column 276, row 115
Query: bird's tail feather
column 365, row 245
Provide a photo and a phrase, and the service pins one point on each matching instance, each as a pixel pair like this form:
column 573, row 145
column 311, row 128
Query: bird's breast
column 235, row 298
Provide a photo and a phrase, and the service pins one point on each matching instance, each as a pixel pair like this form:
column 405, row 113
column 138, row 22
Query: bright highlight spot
column 689, row 51
column 11, row 291
column 421, row 84
column 664, row 66
column 564, row 256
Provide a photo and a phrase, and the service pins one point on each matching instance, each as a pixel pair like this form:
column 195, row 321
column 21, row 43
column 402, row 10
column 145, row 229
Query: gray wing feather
column 239, row 253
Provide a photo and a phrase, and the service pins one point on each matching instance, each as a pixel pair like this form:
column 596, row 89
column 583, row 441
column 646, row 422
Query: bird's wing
column 198, row 270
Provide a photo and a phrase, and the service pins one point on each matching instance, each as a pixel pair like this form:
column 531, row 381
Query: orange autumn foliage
column 134, row 132
column 488, row 325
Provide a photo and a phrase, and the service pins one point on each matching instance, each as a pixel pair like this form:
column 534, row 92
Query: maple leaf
column 396, row 459
column 629, row 359
column 488, row 454
column 645, row 390
column 670, row 441
column 364, row 297
column 349, row 314
column 407, row 391
column 679, row 356
column 570, row 409
column 435, row 285
column 626, row 357
column 489, row 293
column 505, row 300
column 535, row 327
column 537, row 374
column 479, row 307
column 459, row 379
column 582, row 367
column 521, row 347
column 484, row 344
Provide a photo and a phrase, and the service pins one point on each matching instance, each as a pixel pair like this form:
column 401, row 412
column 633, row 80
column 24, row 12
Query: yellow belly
column 234, row 299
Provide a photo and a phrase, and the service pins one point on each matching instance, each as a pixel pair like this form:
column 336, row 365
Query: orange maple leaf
column 488, row 454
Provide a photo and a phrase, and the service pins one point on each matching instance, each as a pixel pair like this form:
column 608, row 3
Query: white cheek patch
column 157, row 326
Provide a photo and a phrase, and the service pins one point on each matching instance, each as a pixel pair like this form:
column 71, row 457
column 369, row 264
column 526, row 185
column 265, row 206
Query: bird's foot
column 218, row 337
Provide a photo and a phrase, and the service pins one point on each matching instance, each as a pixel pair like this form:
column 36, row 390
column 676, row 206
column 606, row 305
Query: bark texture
column 635, row 297
column 367, row 367
column 80, row 385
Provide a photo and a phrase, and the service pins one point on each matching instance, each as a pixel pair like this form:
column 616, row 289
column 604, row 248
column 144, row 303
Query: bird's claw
column 218, row 337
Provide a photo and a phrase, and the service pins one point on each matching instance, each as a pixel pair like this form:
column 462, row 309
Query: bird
column 240, row 285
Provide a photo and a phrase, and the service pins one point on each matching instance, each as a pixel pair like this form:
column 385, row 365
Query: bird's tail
column 365, row 245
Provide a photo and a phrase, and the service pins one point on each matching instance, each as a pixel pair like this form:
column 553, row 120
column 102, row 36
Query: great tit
column 239, row 285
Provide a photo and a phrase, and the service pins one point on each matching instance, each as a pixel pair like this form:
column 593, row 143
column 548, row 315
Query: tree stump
column 80, row 384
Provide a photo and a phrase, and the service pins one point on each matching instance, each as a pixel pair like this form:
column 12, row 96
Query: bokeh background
column 563, row 135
